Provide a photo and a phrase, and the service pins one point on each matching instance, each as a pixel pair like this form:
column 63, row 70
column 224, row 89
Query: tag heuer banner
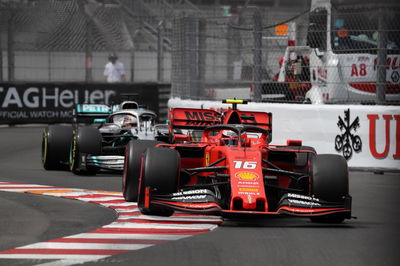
column 54, row 102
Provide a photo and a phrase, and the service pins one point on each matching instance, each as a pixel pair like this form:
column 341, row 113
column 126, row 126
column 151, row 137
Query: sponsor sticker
column 249, row 176
column 248, row 189
column 302, row 202
column 249, row 193
column 298, row 196
column 192, row 197
column 190, row 192
column 95, row 108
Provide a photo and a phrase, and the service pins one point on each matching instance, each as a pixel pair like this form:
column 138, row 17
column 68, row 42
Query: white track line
column 129, row 236
column 79, row 258
column 118, row 237
column 170, row 219
column 92, row 246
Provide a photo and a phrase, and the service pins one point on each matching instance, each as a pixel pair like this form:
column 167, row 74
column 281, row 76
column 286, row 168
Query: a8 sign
column 360, row 70
column 245, row 164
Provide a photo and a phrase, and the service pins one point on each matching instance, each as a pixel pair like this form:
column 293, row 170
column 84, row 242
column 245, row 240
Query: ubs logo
column 347, row 141
column 395, row 76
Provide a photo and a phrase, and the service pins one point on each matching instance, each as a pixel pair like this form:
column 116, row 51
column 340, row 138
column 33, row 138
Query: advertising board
column 54, row 102
column 366, row 136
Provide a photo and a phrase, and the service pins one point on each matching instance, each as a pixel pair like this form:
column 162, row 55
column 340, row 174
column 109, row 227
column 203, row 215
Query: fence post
column 192, row 53
column 10, row 47
column 49, row 64
column 382, row 57
column 1, row 59
column 88, row 50
column 257, row 57
column 202, row 56
column 132, row 64
column 230, row 56
column 160, row 52
column 179, row 88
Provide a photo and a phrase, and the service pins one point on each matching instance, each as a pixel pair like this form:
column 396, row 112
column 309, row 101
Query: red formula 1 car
column 233, row 171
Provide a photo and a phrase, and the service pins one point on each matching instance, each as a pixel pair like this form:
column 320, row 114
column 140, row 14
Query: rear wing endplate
column 259, row 119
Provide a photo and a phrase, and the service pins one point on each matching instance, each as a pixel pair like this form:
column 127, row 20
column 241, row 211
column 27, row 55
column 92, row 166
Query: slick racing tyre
column 160, row 173
column 86, row 140
column 55, row 147
column 131, row 174
column 330, row 182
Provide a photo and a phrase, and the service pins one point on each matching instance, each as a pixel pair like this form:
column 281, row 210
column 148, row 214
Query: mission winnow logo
column 347, row 141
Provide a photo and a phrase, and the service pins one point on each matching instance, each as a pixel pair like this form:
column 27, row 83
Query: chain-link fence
column 70, row 40
column 327, row 53
column 317, row 51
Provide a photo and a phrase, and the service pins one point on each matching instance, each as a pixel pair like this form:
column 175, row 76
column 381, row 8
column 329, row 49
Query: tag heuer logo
column 347, row 141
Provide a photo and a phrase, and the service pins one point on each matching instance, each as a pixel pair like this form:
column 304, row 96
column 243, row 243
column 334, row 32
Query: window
column 316, row 36
column 356, row 31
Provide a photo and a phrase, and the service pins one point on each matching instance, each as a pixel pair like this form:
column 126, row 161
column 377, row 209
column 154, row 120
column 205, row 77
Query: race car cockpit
column 124, row 120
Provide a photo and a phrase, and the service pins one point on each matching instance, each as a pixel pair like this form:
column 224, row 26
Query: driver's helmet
column 229, row 138
column 228, row 133
column 129, row 121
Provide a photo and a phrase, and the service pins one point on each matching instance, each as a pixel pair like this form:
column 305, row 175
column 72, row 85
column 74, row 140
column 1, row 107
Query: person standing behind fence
column 114, row 70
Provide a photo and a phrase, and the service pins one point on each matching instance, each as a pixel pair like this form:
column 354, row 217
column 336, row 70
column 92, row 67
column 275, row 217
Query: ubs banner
column 366, row 136
column 54, row 102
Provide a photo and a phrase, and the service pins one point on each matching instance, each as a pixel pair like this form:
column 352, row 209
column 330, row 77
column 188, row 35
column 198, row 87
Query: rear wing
column 100, row 110
column 259, row 119
column 235, row 116
column 90, row 112
column 199, row 119
column 191, row 118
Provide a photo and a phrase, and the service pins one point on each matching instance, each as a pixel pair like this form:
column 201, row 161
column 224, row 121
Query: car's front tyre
column 159, row 175
column 55, row 147
column 330, row 182
column 86, row 140
column 131, row 174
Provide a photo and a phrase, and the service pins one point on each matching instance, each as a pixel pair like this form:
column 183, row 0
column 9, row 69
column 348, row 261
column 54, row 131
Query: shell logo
column 248, row 176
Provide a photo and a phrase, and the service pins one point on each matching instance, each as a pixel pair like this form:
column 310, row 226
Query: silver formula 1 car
column 101, row 145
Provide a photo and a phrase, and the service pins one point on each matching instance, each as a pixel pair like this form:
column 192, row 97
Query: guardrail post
column 1, row 60
column 257, row 57
column 10, row 47
column 88, row 50
column 160, row 52
column 382, row 57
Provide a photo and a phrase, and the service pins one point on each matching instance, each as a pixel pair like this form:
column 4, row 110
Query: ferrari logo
column 207, row 158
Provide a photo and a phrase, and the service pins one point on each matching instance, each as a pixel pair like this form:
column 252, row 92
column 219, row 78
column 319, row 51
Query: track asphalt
column 372, row 239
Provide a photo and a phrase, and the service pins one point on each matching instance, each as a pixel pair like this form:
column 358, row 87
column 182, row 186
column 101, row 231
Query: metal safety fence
column 322, row 51
column 70, row 40
column 330, row 52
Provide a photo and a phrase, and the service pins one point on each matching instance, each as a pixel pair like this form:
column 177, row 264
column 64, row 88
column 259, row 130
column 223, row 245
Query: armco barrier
column 54, row 102
column 367, row 136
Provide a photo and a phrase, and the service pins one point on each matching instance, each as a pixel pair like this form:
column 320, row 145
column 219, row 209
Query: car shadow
column 284, row 222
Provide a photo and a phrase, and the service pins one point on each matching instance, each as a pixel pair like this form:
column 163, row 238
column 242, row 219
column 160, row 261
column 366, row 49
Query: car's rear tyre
column 131, row 174
column 86, row 140
column 55, row 147
column 160, row 173
column 329, row 182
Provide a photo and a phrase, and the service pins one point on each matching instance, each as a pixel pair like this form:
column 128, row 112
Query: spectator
column 114, row 70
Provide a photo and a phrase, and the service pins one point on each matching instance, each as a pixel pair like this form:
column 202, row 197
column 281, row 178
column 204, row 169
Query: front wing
column 104, row 162
column 204, row 201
